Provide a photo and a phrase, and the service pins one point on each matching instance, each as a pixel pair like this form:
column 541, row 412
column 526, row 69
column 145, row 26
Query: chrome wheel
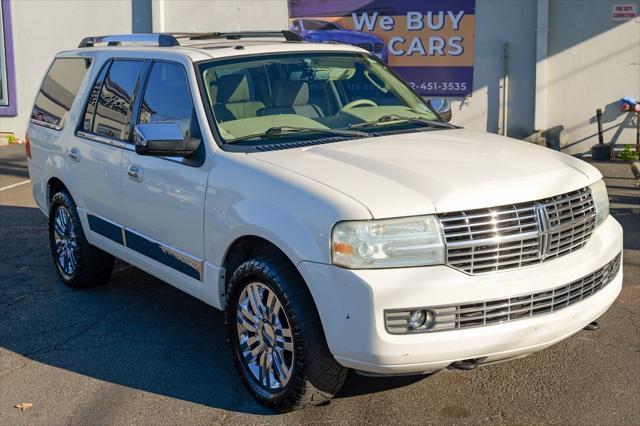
column 66, row 243
column 265, row 336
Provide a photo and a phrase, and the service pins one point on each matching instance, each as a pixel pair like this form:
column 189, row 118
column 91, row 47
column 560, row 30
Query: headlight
column 601, row 200
column 389, row 243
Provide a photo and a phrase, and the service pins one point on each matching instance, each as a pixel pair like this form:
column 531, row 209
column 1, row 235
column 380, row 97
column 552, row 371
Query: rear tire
column 286, row 333
column 78, row 263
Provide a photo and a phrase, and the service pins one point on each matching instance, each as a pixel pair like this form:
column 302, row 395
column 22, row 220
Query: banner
column 430, row 43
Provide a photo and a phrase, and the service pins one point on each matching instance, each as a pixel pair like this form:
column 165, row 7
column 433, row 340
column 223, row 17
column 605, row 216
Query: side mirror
column 442, row 107
column 164, row 140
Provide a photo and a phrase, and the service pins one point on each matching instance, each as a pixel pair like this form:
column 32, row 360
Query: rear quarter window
column 58, row 91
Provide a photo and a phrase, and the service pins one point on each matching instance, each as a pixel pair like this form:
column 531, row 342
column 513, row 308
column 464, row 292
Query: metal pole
column 638, row 134
column 505, row 88
column 542, row 52
column 600, row 135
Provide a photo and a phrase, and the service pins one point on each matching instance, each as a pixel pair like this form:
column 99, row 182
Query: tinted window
column 59, row 89
column 87, row 123
column 167, row 99
column 319, row 25
column 113, row 113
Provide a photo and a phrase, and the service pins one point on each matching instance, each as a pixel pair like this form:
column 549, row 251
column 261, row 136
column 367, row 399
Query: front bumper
column 351, row 304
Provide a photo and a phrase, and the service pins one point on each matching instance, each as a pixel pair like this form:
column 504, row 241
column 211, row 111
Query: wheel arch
column 241, row 249
column 246, row 247
column 54, row 185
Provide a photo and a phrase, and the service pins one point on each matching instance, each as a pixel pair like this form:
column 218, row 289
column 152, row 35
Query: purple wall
column 10, row 110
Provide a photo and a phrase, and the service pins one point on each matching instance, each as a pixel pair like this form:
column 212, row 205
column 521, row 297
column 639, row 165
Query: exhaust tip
column 592, row 326
column 466, row 364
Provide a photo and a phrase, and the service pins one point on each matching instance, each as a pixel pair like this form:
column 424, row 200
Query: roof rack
column 172, row 39
column 160, row 40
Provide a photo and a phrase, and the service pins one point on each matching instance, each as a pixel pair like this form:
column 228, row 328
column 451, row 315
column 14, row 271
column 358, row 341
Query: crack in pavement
column 23, row 363
column 13, row 302
column 54, row 347
column 28, row 252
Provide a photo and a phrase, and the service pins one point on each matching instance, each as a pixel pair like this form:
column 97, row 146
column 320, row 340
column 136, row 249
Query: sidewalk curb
column 635, row 168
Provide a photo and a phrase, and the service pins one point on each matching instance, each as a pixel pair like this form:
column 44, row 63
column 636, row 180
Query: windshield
column 251, row 96
column 319, row 25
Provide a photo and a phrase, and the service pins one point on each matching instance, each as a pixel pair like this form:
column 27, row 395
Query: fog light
column 420, row 318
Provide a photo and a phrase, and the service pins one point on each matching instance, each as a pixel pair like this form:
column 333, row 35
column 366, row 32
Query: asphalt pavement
column 139, row 351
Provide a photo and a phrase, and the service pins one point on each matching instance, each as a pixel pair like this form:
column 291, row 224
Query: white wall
column 592, row 63
column 499, row 22
column 219, row 15
column 43, row 28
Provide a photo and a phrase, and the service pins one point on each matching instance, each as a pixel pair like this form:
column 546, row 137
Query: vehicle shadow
column 135, row 331
column 13, row 162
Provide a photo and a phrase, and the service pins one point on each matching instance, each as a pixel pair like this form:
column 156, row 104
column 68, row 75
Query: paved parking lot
column 140, row 351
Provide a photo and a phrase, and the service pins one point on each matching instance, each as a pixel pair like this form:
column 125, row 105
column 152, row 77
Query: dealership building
column 534, row 65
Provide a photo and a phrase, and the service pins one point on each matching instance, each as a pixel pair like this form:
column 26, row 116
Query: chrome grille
column 507, row 237
column 489, row 312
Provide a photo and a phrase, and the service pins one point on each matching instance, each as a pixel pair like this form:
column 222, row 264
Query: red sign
column 623, row 12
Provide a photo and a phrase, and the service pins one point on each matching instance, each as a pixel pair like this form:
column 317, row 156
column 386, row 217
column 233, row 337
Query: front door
column 164, row 197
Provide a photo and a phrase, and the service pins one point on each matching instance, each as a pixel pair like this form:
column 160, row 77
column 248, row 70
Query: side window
column 87, row 123
column 113, row 111
column 59, row 89
column 167, row 99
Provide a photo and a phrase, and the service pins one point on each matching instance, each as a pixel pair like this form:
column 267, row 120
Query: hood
column 344, row 36
column 436, row 171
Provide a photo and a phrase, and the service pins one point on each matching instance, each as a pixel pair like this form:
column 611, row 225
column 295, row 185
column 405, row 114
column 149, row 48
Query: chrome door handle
column 135, row 172
column 74, row 153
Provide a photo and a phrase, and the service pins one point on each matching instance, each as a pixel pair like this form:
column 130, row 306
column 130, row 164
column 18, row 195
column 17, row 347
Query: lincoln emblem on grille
column 544, row 229
column 518, row 235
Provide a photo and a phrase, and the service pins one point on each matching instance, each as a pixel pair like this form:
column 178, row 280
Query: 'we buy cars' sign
column 430, row 43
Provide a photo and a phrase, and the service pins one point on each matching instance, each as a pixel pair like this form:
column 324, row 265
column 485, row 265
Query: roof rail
column 286, row 34
column 161, row 40
column 168, row 40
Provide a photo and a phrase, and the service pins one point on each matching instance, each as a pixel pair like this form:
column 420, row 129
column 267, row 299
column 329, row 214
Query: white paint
column 498, row 22
column 592, row 63
column 542, row 48
column 397, row 176
column 15, row 185
column 157, row 16
column 355, row 331
column 223, row 15
column 289, row 198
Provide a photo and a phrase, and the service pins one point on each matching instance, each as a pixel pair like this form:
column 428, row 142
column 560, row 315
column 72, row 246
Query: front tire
column 276, row 337
column 78, row 263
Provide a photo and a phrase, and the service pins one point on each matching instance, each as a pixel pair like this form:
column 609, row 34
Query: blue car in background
column 319, row 31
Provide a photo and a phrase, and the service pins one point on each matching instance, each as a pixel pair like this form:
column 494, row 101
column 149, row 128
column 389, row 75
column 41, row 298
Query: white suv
column 328, row 209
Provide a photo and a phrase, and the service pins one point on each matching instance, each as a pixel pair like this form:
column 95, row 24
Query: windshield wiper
column 282, row 130
column 392, row 117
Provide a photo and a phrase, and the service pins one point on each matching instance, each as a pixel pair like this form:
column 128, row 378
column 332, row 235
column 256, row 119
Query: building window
column 8, row 104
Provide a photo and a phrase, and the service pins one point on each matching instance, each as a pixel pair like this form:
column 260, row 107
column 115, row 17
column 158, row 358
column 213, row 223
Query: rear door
column 95, row 153
column 164, row 197
column 50, row 127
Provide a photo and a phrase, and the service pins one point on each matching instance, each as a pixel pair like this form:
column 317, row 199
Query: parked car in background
column 319, row 201
column 319, row 31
